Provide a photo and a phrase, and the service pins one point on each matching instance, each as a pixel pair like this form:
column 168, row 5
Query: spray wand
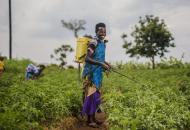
column 132, row 79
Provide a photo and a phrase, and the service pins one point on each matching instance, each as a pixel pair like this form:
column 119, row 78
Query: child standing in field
column 2, row 65
column 94, row 66
column 33, row 71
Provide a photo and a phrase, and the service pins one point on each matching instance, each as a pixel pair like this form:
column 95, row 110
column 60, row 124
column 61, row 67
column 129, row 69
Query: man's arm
column 89, row 58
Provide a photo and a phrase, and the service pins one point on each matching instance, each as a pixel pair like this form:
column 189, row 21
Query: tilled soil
column 82, row 125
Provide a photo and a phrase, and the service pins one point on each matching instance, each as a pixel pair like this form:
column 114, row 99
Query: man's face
column 101, row 33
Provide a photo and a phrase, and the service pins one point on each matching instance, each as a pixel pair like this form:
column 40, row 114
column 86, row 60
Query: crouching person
column 33, row 72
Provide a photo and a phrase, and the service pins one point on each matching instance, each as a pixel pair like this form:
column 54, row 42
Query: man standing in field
column 94, row 66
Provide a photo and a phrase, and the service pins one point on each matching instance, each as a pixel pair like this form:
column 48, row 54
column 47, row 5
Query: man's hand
column 106, row 66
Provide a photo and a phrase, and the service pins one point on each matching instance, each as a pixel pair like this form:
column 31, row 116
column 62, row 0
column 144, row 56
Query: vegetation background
column 163, row 103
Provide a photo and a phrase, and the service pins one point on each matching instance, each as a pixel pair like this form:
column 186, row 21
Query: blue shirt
column 95, row 72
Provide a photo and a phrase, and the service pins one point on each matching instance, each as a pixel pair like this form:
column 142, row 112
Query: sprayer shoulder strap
column 94, row 42
column 92, row 45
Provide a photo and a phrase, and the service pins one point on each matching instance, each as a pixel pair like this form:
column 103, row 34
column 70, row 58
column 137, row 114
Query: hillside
column 160, row 99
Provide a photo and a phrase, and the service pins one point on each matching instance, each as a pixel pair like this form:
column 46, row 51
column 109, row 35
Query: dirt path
column 81, row 125
column 73, row 123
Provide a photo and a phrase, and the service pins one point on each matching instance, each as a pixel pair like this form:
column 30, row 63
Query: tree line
column 150, row 38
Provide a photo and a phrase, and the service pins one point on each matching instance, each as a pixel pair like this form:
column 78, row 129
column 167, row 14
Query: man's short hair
column 100, row 25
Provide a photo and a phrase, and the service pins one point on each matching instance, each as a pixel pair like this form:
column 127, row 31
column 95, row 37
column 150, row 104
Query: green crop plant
column 163, row 103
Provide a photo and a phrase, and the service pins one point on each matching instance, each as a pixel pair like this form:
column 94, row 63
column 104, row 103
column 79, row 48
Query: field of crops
column 162, row 103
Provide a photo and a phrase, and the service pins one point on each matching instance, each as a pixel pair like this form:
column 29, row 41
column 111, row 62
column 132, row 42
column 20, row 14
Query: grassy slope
column 163, row 104
column 25, row 104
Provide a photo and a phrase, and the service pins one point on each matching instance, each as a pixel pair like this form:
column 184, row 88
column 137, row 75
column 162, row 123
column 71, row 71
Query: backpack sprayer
column 81, row 51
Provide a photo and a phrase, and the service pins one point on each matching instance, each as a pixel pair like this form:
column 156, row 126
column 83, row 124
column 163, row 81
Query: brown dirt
column 81, row 125
column 73, row 123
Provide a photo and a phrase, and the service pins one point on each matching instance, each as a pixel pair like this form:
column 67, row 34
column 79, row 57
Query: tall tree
column 74, row 25
column 60, row 53
column 150, row 38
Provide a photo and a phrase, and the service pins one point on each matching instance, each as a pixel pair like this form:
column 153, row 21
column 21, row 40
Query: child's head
column 42, row 67
column 100, row 30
